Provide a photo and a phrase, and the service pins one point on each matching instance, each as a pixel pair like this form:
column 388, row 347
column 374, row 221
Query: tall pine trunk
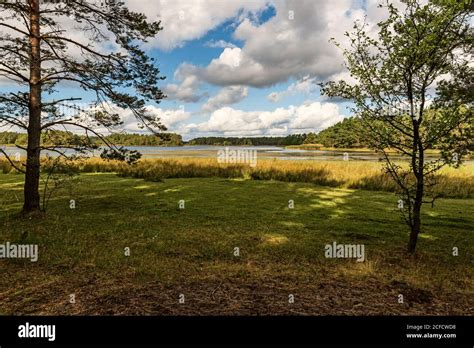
column 32, row 175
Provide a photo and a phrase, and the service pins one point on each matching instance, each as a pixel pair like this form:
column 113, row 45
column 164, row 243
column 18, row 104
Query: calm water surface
column 205, row 151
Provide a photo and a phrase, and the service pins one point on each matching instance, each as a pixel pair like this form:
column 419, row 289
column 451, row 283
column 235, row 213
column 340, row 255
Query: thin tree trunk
column 417, row 204
column 416, row 227
column 32, row 176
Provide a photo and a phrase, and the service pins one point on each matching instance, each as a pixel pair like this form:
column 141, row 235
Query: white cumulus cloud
column 226, row 96
column 309, row 117
column 185, row 20
column 306, row 85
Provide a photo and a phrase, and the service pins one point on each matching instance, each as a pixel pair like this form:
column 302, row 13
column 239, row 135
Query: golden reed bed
column 455, row 183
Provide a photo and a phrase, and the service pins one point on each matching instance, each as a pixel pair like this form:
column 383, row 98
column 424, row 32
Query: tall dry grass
column 456, row 183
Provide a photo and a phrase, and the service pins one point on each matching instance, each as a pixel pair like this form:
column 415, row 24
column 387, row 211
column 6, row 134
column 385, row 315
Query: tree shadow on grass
column 276, row 242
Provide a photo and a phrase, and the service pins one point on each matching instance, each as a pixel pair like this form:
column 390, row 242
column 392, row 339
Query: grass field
column 191, row 251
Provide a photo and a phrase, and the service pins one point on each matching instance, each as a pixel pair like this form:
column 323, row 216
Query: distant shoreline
column 305, row 147
column 311, row 147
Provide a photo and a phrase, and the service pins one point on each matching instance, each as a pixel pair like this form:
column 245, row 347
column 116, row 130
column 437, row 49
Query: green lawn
column 191, row 251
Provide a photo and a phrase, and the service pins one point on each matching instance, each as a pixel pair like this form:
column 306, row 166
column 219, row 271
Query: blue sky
column 216, row 97
column 247, row 67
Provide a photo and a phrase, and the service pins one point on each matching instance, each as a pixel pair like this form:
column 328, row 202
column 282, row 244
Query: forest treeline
column 345, row 134
column 295, row 139
column 66, row 138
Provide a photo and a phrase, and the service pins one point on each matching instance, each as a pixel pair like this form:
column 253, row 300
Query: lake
column 207, row 151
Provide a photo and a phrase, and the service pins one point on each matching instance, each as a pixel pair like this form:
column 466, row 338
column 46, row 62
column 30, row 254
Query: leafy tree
column 420, row 49
column 311, row 138
column 344, row 134
column 91, row 44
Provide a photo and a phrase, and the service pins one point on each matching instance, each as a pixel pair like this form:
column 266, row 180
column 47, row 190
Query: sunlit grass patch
column 274, row 239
